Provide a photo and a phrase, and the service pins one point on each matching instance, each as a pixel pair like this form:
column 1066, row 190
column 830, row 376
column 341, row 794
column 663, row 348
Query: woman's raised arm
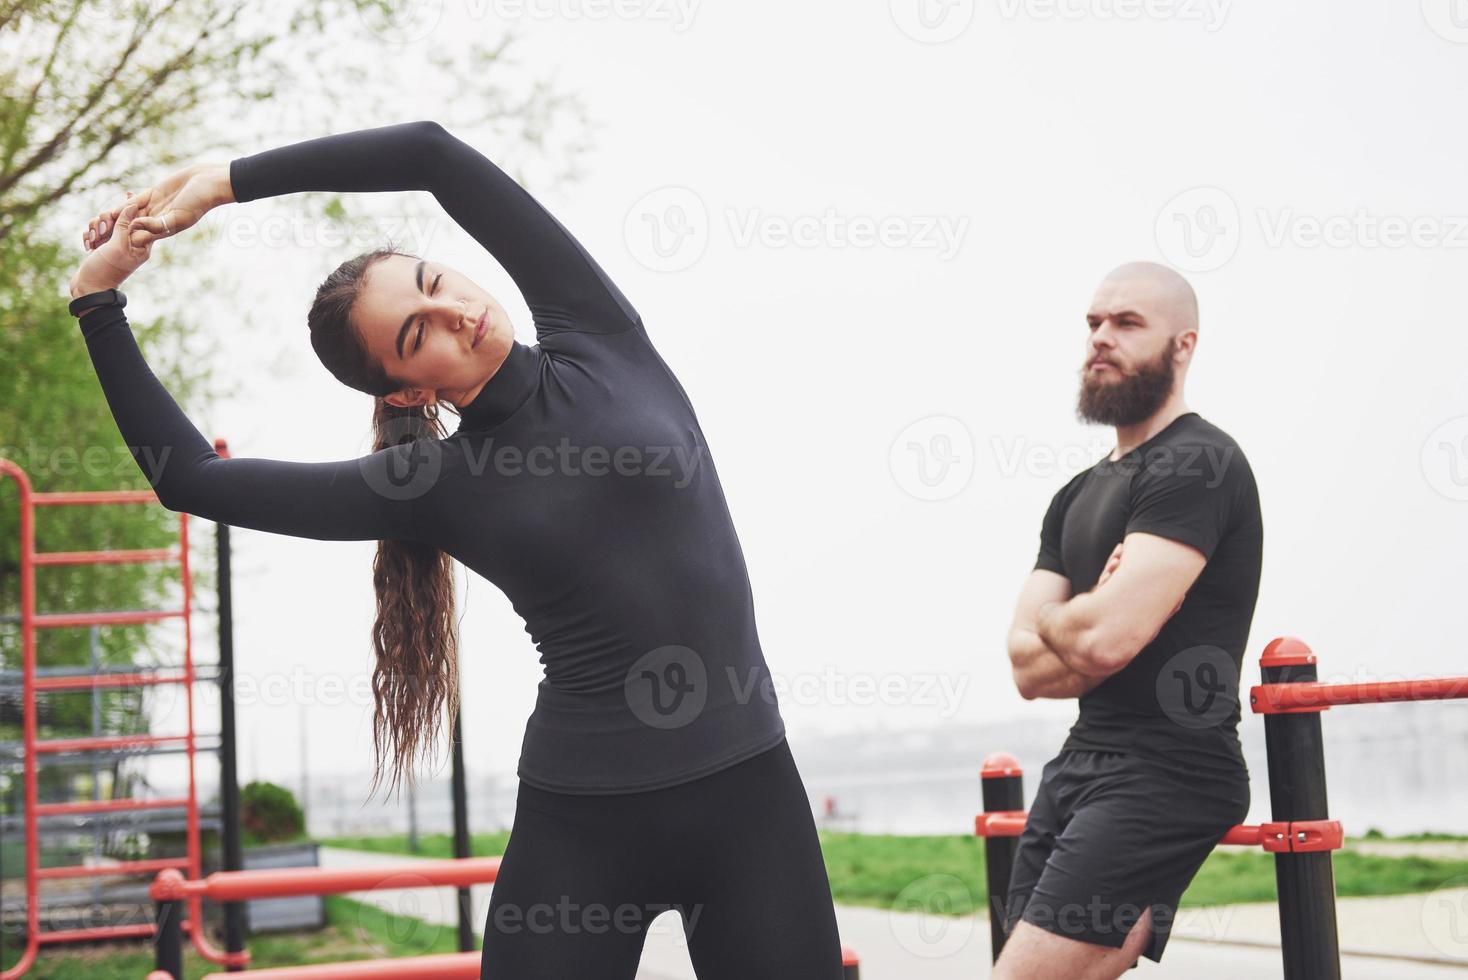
column 563, row 286
column 368, row 498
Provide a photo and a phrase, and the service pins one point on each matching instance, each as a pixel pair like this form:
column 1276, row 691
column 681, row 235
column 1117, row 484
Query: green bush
column 270, row 813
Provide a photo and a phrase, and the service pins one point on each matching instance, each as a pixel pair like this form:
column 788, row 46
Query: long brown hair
column 414, row 635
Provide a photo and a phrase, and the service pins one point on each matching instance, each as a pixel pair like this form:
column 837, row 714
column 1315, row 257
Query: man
column 1139, row 605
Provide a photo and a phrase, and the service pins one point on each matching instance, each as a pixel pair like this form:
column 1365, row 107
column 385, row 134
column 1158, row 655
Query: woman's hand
column 175, row 203
column 179, row 200
column 126, row 247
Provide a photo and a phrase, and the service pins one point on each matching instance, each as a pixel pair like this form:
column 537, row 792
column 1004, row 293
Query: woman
column 654, row 773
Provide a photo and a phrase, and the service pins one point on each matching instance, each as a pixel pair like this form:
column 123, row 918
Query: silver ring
column 166, row 230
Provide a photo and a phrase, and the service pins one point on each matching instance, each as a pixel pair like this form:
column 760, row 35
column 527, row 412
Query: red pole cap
column 998, row 765
column 1286, row 651
column 168, row 886
column 221, row 447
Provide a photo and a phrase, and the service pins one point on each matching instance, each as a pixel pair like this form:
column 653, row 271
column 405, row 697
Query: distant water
column 1400, row 768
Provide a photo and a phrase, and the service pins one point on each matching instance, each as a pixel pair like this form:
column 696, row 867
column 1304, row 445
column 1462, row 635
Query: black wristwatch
column 105, row 297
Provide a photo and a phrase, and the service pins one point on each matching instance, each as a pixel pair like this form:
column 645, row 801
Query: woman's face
column 421, row 320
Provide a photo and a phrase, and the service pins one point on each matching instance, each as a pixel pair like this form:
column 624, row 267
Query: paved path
column 1226, row 943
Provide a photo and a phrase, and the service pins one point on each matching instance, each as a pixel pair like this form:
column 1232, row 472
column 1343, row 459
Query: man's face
column 1131, row 362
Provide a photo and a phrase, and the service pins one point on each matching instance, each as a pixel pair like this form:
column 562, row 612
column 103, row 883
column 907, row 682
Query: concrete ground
column 1405, row 937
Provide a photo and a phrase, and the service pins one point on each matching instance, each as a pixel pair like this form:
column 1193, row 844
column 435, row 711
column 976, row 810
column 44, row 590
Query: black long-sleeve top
column 578, row 482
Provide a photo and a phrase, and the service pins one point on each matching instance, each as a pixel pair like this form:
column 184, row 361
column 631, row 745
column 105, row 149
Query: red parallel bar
column 107, row 806
column 85, row 682
column 63, row 498
column 1304, row 696
column 1247, row 835
column 136, row 555
column 136, row 931
column 237, row 886
column 441, row 966
column 115, row 867
column 31, row 789
column 121, row 618
column 1000, row 823
column 107, row 742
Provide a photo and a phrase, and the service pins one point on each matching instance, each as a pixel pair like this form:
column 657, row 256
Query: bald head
column 1156, row 292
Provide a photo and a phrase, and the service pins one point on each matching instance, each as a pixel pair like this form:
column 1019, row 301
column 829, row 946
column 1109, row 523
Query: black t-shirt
column 578, row 482
column 1178, row 701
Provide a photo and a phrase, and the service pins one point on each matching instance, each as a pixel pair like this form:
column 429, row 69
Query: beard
column 1134, row 397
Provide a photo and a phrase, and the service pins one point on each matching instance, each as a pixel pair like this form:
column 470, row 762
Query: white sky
column 1055, row 139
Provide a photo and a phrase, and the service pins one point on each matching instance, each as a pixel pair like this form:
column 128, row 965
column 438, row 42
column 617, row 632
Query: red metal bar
column 441, row 966
column 106, row 742
column 136, row 930
column 85, row 682
column 1269, row 699
column 237, row 886
column 126, row 617
column 28, row 711
column 1000, row 823
column 108, row 806
column 122, row 557
column 112, row 868
column 63, row 498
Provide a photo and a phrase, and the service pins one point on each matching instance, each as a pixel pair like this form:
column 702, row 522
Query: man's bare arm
column 1097, row 633
column 1038, row 671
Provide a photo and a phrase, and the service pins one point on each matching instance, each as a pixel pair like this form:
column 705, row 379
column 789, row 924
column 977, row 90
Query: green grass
column 429, row 845
column 354, row 931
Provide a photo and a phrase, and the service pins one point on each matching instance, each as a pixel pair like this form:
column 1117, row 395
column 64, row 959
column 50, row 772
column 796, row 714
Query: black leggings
column 735, row 853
